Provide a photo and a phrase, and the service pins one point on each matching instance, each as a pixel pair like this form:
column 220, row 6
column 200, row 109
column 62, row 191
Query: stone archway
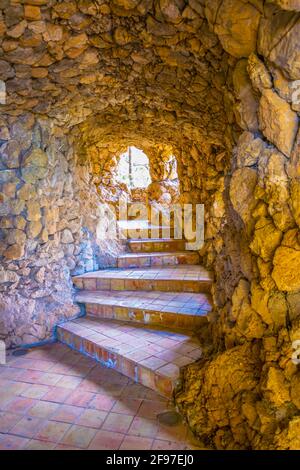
column 217, row 80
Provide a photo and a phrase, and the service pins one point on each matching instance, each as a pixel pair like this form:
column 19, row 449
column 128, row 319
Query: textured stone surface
column 277, row 121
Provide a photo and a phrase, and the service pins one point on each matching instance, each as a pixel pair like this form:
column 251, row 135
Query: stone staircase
column 141, row 317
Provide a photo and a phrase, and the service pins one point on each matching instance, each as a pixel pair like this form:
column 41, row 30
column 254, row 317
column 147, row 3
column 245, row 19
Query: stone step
column 155, row 244
column 174, row 309
column 139, row 260
column 181, row 278
column 150, row 356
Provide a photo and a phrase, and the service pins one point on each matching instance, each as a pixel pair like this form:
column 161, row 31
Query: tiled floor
column 55, row 398
column 195, row 273
column 177, row 302
column 179, row 278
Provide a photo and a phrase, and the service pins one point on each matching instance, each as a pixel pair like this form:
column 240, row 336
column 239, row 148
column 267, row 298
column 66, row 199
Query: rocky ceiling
column 139, row 61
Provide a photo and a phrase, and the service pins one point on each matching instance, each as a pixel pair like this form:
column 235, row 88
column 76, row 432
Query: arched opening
column 133, row 169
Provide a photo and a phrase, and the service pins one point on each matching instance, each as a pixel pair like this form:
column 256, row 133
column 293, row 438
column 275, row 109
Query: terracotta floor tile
column 79, row 436
column 80, row 398
column 9, row 442
column 117, row 422
column 49, row 378
column 39, row 445
column 27, row 427
column 8, row 420
column 67, row 413
column 66, row 447
column 10, row 373
column 42, row 409
column 35, row 391
column 30, row 376
column 150, row 409
column 20, row 404
column 69, row 382
column 136, row 443
column 143, row 427
column 158, row 444
column 106, row 440
column 52, row 431
column 102, row 402
column 128, row 406
column 92, row 418
column 57, row 394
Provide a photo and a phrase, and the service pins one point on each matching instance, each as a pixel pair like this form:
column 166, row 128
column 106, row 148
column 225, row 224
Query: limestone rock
column 242, row 186
column 66, row 236
column 286, row 269
column 247, row 107
column 266, row 238
column 288, row 4
column 249, row 149
column 34, row 165
column 258, row 73
column 289, row 438
column 34, row 228
column 277, row 121
column 14, row 252
column 295, row 200
column 33, row 210
column 278, row 40
column 236, row 25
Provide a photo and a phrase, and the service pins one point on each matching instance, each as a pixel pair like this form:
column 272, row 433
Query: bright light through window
column 133, row 169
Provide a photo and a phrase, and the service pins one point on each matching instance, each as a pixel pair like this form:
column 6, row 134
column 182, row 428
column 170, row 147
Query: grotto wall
column 49, row 216
column 247, row 396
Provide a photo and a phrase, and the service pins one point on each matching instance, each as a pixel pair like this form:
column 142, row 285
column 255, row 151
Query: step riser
column 146, row 317
column 133, row 370
column 154, row 246
column 149, row 261
column 166, row 285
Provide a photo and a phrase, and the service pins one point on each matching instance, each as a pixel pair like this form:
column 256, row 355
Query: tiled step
column 150, row 356
column 139, row 260
column 174, row 309
column 166, row 279
column 155, row 244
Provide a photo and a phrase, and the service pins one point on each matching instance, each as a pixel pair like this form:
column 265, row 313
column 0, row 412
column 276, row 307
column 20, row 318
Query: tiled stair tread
column 171, row 302
column 157, row 253
column 178, row 273
column 158, row 349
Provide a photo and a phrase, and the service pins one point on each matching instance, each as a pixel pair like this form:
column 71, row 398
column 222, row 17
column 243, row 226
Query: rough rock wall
column 49, row 214
column 247, row 396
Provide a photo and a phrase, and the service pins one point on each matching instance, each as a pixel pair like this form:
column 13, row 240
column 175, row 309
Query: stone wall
column 217, row 80
column 49, row 215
